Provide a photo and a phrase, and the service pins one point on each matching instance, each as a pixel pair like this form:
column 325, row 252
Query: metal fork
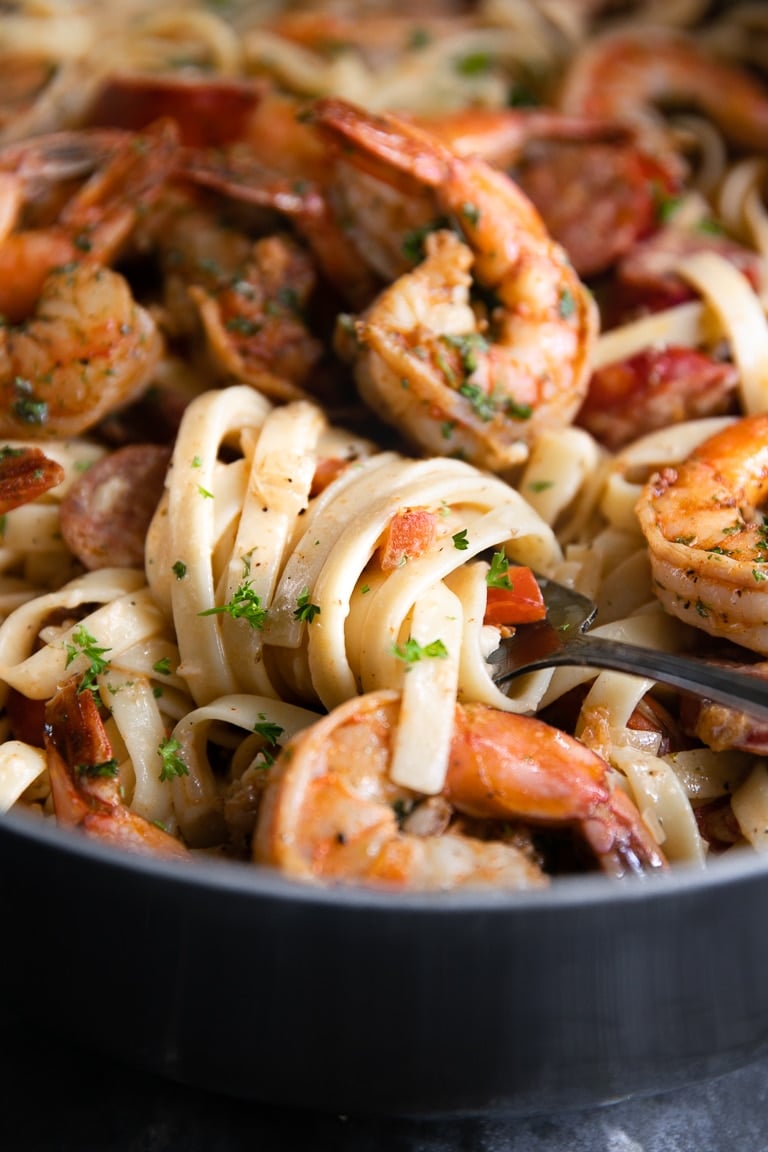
column 562, row 639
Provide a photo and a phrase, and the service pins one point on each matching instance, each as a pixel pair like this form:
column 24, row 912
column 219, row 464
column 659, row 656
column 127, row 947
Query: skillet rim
column 243, row 879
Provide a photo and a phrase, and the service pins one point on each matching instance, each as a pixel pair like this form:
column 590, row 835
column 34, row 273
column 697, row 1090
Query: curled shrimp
column 118, row 175
column 330, row 812
column 627, row 77
column 76, row 344
column 84, row 778
column 87, row 348
column 483, row 380
column 707, row 539
column 245, row 296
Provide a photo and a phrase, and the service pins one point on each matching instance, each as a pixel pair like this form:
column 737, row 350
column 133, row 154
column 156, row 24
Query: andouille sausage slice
column 107, row 511
column 596, row 199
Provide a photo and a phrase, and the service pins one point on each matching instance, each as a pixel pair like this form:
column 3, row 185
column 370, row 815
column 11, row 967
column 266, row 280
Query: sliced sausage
column 647, row 275
column 107, row 511
column 596, row 199
column 209, row 113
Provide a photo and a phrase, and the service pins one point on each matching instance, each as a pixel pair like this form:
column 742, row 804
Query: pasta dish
column 326, row 329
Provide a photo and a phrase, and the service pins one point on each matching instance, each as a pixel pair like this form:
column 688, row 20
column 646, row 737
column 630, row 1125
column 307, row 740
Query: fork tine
column 566, row 609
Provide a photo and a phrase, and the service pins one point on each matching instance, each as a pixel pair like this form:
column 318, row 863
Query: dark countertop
column 60, row 1098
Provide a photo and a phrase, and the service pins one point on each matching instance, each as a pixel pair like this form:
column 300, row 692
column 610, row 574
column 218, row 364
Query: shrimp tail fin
column 384, row 141
column 84, row 779
column 620, row 840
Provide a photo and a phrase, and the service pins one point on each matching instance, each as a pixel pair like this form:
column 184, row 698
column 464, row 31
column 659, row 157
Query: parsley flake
column 173, row 765
column 107, row 768
column 305, row 611
column 84, row 644
column 497, row 575
column 411, row 652
column 244, row 605
column 267, row 730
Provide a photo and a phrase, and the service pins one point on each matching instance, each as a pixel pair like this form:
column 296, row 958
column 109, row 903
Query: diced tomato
column 653, row 389
column 409, row 534
column 326, row 470
column 521, row 603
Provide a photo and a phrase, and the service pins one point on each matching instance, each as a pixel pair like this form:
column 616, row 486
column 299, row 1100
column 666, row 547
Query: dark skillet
column 236, row 980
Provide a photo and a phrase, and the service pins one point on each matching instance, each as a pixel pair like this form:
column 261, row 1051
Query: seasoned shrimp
column 125, row 174
column 627, row 76
column 75, row 343
column 84, row 778
column 247, row 297
column 88, row 348
column 707, row 539
column 484, row 381
column 330, row 813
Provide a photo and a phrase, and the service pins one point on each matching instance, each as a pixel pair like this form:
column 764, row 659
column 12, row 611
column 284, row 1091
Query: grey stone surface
column 57, row 1098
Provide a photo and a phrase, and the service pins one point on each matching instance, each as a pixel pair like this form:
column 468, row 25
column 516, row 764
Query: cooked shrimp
column 75, row 344
column 483, row 381
column 247, row 296
column 88, row 348
column 84, row 778
column 500, row 135
column 330, row 812
column 707, row 539
column 240, row 173
column 627, row 77
column 125, row 171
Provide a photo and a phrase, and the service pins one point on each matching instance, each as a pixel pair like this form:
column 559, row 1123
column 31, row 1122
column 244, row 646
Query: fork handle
column 725, row 686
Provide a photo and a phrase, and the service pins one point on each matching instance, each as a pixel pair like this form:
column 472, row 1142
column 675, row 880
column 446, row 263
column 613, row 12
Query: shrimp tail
column 383, row 143
column 618, row 837
column 84, row 782
column 506, row 766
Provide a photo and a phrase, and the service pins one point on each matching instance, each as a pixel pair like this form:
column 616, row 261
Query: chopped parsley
column 566, row 305
column 518, row 411
column 173, row 765
column 469, row 347
column 26, row 407
column 267, row 730
column 83, row 644
column 482, row 404
column 244, row 605
column 179, row 569
column 473, row 64
column 304, row 610
column 107, row 768
column 243, row 326
column 411, row 652
column 460, row 541
column 497, row 575
column 413, row 241
column 163, row 666
column 471, row 213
